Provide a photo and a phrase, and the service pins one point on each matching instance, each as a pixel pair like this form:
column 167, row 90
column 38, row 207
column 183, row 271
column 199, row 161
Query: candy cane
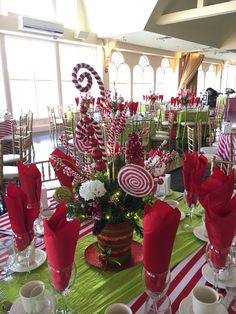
column 158, row 150
column 79, row 80
column 98, row 134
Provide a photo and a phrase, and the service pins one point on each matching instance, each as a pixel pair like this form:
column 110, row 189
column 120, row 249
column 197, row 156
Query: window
column 211, row 79
column 32, row 75
column 2, row 91
column 200, row 81
column 119, row 76
column 143, row 79
column 165, row 80
column 228, row 78
column 70, row 55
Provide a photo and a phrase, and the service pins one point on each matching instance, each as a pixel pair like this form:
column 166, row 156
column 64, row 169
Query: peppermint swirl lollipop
column 135, row 180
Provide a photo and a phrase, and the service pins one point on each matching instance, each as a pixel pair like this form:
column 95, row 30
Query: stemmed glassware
column 25, row 246
column 191, row 201
column 219, row 260
column 62, row 280
column 156, row 286
column 7, row 256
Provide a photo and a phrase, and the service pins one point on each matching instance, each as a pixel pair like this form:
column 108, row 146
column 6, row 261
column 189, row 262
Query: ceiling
column 207, row 26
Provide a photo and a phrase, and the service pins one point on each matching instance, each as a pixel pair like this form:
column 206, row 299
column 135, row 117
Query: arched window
column 119, row 76
column 200, row 81
column 165, row 81
column 211, row 79
column 143, row 79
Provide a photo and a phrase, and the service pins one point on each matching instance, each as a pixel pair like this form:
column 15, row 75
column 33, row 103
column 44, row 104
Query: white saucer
column 17, row 307
column 208, row 274
column 182, row 216
column 40, row 258
column 185, row 307
column 199, row 233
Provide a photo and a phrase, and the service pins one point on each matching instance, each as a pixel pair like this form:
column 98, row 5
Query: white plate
column 199, row 233
column 17, row 307
column 186, row 307
column 40, row 258
column 208, row 274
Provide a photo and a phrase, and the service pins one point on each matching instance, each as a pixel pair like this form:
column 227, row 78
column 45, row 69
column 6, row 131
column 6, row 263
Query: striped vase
column 118, row 239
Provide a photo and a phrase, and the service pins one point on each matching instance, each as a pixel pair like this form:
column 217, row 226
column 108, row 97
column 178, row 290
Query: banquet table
column 191, row 116
column 223, row 147
column 94, row 289
column 6, row 129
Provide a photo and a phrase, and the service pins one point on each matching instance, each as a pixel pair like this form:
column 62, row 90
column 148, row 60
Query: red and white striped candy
column 135, row 180
column 82, row 146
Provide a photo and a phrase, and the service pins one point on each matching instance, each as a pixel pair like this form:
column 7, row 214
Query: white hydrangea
column 89, row 190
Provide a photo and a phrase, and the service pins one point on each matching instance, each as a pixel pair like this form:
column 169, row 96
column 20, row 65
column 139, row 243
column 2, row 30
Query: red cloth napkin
column 63, row 178
column 194, row 168
column 21, row 217
column 160, row 224
column 30, row 183
column 215, row 195
column 60, row 238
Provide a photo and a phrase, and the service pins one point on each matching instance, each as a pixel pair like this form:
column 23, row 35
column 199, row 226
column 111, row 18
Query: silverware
column 179, row 198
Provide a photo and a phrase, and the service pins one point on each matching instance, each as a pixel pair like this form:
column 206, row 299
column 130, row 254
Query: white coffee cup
column 172, row 203
column 33, row 296
column 118, row 308
column 205, row 300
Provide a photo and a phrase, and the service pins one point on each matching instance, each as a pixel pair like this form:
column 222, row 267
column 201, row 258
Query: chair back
column 48, row 176
column 224, row 165
column 191, row 139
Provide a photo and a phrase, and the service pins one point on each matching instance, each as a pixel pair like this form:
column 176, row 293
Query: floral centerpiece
column 112, row 181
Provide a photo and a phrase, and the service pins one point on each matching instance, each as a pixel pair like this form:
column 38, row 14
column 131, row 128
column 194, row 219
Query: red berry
column 96, row 153
column 83, row 109
column 89, row 130
column 100, row 165
column 93, row 142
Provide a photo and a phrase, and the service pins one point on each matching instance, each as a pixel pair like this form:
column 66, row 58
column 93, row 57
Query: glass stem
column 191, row 214
column 216, row 280
column 64, row 303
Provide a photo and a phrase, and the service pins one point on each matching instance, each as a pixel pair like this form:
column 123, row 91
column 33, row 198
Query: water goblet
column 233, row 250
column 62, row 280
column 25, row 248
column 7, row 256
column 156, row 285
column 219, row 260
column 191, row 200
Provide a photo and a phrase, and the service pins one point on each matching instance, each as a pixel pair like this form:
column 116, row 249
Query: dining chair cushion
column 215, row 144
column 187, row 123
column 165, row 123
column 210, row 156
column 10, row 158
column 10, row 172
column 159, row 137
column 209, row 150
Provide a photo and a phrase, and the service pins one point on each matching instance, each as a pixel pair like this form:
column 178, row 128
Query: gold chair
column 187, row 121
column 48, row 176
column 7, row 173
column 191, row 139
column 165, row 134
column 55, row 123
column 223, row 165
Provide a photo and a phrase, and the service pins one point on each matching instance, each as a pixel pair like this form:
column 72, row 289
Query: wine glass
column 62, row 280
column 230, row 298
column 7, row 256
column 219, row 260
column 191, row 200
column 25, row 248
column 156, row 285
column 233, row 250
